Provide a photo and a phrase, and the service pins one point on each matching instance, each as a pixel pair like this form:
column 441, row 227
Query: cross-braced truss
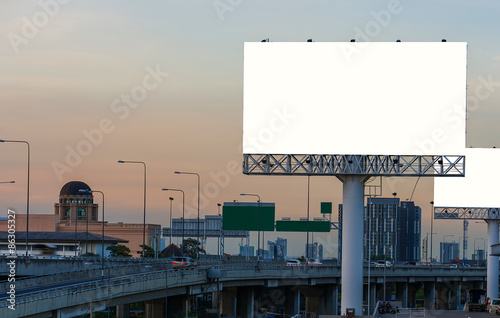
column 467, row 213
column 374, row 165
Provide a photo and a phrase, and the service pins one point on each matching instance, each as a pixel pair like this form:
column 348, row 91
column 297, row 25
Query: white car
column 293, row 262
column 493, row 305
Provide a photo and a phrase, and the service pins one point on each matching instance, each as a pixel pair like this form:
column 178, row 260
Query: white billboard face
column 354, row 98
column 479, row 187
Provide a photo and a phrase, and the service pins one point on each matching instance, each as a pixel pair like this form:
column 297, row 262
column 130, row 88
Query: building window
column 81, row 213
column 84, row 201
column 67, row 213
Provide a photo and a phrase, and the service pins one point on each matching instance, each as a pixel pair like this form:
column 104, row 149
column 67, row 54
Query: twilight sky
column 89, row 83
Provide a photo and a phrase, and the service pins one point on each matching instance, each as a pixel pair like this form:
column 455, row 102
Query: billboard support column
column 352, row 258
column 492, row 261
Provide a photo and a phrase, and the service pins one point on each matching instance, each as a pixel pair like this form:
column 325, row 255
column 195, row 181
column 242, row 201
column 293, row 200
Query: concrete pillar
column 352, row 238
column 492, row 261
column 123, row 311
column 459, row 296
column 402, row 294
column 313, row 297
column 373, row 298
column 413, row 288
column 441, row 299
column 154, row 308
column 454, row 295
column 245, row 306
column 228, row 302
column 292, row 301
column 313, row 304
column 330, row 299
column 446, row 296
column 429, row 295
column 178, row 304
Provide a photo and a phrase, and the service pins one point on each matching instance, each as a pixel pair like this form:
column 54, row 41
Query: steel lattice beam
column 467, row 213
column 374, row 165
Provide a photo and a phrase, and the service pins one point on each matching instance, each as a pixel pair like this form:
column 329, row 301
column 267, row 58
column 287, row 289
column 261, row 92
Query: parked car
column 314, row 261
column 453, row 266
column 180, row 262
column 293, row 262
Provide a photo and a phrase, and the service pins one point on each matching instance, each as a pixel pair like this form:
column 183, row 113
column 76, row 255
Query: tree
column 149, row 252
column 90, row 254
column 191, row 247
column 380, row 257
column 118, row 251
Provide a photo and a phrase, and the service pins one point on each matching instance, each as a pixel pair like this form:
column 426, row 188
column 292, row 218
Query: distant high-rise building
column 313, row 250
column 394, row 229
column 246, row 250
column 271, row 246
column 478, row 256
column 281, row 248
column 410, row 221
column 380, row 225
column 449, row 252
column 277, row 249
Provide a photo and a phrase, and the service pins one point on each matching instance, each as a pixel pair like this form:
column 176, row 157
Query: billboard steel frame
column 467, row 213
column 337, row 165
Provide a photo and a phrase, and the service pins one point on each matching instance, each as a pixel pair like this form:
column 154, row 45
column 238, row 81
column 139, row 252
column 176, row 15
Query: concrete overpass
column 241, row 286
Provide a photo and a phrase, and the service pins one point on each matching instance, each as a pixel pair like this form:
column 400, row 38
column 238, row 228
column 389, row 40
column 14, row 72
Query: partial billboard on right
column 478, row 189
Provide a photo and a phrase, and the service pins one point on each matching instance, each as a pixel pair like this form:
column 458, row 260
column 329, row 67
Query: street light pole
column 76, row 228
column 102, row 235
column 220, row 232
column 27, row 190
column 397, row 229
column 171, row 227
column 258, row 224
column 144, row 218
column 432, row 222
column 198, row 219
column 182, row 242
column 307, row 240
column 385, row 265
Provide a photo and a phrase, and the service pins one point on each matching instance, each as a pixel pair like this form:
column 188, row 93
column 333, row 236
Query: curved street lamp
column 182, row 216
column 144, row 218
column 198, row 219
column 27, row 191
column 102, row 235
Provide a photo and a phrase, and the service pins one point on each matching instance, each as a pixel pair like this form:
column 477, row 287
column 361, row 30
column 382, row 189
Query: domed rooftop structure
column 172, row 250
column 73, row 188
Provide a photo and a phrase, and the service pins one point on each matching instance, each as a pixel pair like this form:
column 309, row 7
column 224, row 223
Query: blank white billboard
column 479, row 187
column 354, row 98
